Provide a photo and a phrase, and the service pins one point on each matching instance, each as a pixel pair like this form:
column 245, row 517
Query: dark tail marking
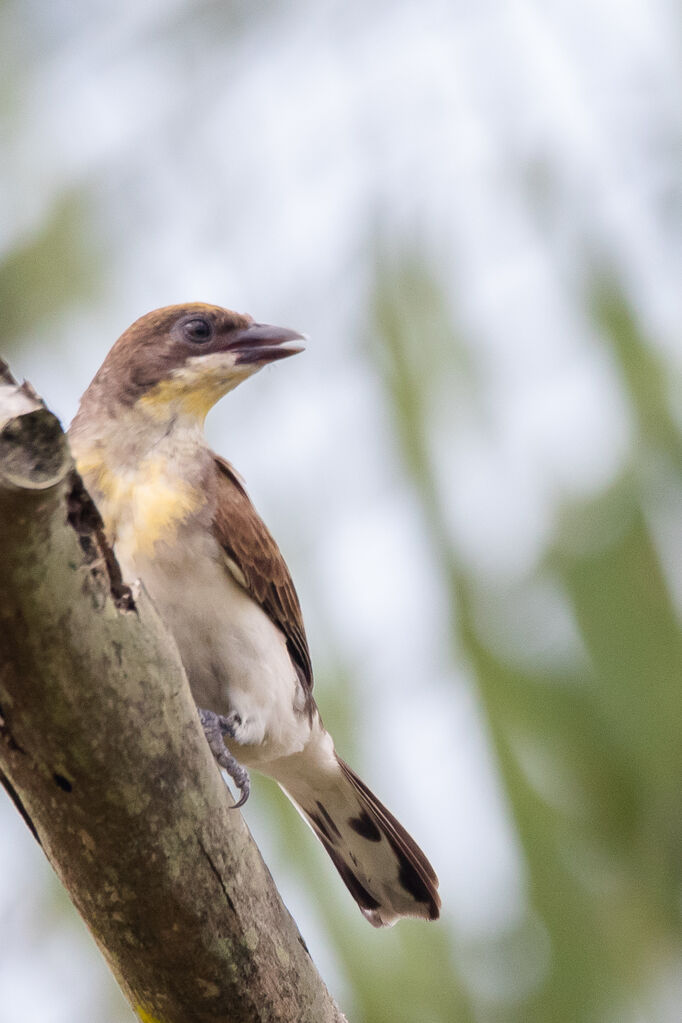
column 416, row 875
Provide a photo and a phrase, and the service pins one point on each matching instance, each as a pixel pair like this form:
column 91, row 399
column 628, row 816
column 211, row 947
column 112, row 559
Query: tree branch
column 101, row 745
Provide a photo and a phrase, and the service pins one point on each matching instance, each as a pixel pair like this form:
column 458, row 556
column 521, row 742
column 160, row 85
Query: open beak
column 262, row 343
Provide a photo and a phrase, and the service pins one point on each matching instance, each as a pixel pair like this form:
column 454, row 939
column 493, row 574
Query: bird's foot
column 216, row 727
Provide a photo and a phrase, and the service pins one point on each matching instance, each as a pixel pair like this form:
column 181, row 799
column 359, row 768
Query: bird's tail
column 380, row 864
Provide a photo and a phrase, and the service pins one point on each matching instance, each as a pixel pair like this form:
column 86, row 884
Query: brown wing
column 245, row 539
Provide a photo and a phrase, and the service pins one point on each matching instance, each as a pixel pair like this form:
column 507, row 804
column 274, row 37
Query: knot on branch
column 86, row 521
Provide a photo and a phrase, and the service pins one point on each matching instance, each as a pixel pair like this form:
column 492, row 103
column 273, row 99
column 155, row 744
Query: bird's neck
column 148, row 473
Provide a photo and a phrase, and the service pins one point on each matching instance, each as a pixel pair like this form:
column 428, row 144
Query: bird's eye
column 198, row 330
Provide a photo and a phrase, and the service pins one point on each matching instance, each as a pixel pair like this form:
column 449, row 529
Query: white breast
column 235, row 657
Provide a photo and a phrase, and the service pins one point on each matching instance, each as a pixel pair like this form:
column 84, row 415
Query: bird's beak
column 261, row 343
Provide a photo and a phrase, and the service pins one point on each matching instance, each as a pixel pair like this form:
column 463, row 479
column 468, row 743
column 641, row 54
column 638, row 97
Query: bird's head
column 182, row 359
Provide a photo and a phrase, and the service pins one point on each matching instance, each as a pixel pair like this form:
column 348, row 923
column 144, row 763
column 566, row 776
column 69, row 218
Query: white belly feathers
column 235, row 658
column 156, row 508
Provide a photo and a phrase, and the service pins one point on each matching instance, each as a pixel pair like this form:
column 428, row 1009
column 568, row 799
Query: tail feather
column 393, row 827
column 416, row 873
column 381, row 865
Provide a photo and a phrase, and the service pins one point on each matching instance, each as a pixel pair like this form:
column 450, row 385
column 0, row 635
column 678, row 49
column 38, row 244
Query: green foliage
column 589, row 753
column 48, row 270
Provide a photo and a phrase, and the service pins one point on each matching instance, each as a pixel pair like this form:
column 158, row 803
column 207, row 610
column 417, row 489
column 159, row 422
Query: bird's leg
column 216, row 727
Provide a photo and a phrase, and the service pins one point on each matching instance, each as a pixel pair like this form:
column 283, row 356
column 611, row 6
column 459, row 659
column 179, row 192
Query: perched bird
column 178, row 518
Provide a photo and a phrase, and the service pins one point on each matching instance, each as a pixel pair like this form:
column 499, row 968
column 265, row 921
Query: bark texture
column 101, row 745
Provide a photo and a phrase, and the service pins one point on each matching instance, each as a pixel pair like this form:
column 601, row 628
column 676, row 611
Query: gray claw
column 216, row 726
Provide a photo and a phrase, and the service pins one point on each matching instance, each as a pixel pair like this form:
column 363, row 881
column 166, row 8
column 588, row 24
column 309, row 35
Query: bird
column 178, row 518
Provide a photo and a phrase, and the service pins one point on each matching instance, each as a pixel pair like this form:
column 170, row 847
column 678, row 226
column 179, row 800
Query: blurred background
column 474, row 210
